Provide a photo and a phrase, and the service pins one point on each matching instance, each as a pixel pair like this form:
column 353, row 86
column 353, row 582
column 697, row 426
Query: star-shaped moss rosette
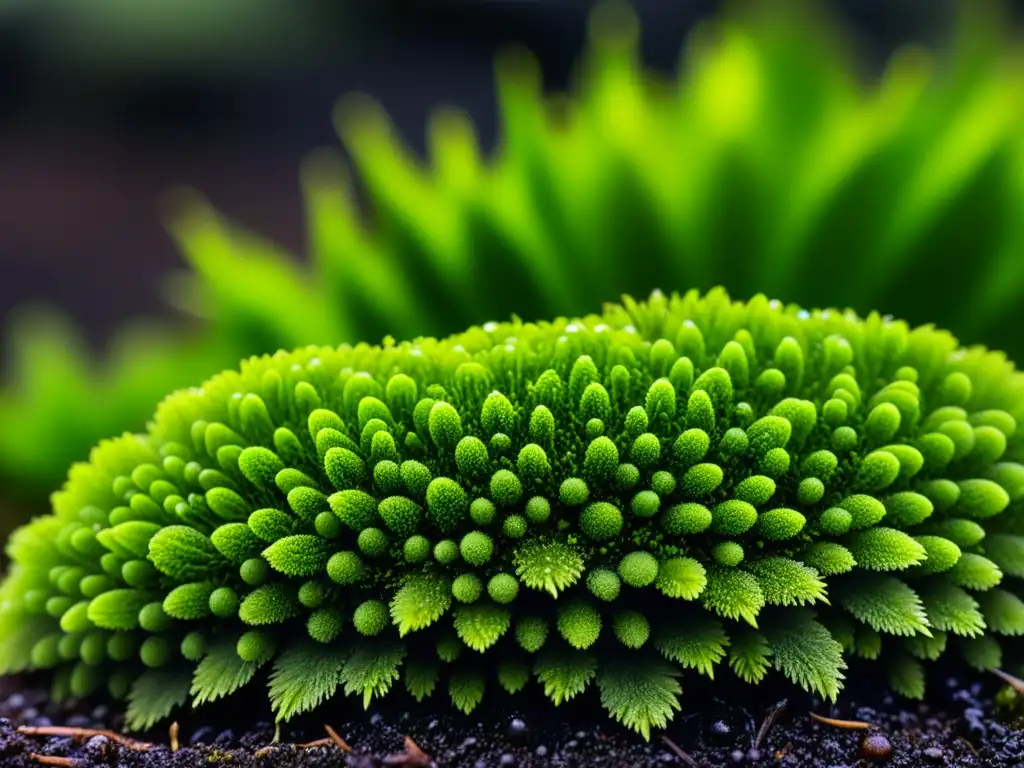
column 768, row 165
column 680, row 484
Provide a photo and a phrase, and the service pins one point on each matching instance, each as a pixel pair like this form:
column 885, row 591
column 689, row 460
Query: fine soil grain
column 721, row 725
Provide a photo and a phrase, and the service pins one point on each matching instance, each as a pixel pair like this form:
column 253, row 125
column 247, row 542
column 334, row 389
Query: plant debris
column 850, row 725
column 957, row 727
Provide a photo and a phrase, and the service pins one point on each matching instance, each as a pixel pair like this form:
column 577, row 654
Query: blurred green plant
column 770, row 165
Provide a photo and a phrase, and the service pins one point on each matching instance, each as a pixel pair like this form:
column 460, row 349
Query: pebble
column 517, row 727
column 376, row 718
column 29, row 712
column 507, row 759
column 753, row 754
column 201, row 735
column 737, row 755
column 100, row 713
column 40, row 722
column 98, row 747
column 469, row 741
column 933, row 753
column 541, row 751
column 875, row 746
column 16, row 701
column 721, row 728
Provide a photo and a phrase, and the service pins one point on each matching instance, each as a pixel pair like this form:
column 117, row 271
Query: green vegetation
column 767, row 166
column 687, row 483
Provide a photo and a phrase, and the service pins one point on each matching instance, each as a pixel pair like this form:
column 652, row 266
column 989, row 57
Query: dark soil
column 721, row 725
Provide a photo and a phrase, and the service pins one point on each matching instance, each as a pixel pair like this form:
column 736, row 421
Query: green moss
column 186, row 558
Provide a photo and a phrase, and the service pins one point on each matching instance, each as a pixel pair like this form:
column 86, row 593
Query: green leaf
column 131, row 539
column 698, row 643
column 481, row 624
column 184, row 553
column 640, row 693
column 804, row 651
column 18, row 634
column 975, row 572
column 749, row 655
column 1003, row 611
column 514, row 673
column 421, row 676
column 1007, row 552
column 154, row 695
column 421, row 601
column 302, row 555
column 867, row 643
column 885, row 549
column 466, row 688
column 787, row 582
column 886, row 604
column 950, row 609
column 926, row 648
column 269, row 604
column 681, row 577
column 549, row 566
column 906, row 676
column 189, row 602
column 982, row 653
column 304, row 676
column 119, row 608
column 564, row 672
column 371, row 670
column 733, row 594
column 828, row 558
column 221, row 673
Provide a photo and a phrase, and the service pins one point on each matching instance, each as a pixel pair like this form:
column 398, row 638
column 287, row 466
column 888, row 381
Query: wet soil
column 721, row 724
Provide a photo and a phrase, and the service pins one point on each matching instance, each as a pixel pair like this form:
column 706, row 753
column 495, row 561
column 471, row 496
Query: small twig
column 173, row 736
column 850, row 725
column 324, row 742
column 262, row 752
column 1014, row 682
column 80, row 734
column 679, row 752
column 64, row 762
column 337, row 739
column 769, row 721
column 413, row 757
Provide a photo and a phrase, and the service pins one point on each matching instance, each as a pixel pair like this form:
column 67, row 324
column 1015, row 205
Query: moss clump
column 769, row 487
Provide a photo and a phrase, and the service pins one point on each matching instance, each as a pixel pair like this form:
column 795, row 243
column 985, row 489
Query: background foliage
column 773, row 164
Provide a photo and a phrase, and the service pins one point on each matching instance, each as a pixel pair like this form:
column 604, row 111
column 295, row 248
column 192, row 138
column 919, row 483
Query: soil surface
column 721, row 724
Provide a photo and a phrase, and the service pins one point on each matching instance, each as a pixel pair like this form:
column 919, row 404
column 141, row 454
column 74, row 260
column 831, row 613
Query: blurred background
column 107, row 105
